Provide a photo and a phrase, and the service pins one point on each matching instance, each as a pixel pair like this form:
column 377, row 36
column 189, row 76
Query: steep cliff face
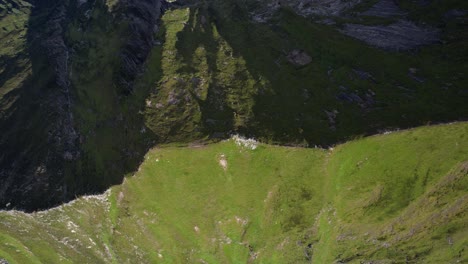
column 44, row 158
column 39, row 136
column 63, row 134
column 142, row 17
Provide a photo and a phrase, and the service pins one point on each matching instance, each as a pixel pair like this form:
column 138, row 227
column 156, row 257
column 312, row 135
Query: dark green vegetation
column 397, row 198
column 289, row 104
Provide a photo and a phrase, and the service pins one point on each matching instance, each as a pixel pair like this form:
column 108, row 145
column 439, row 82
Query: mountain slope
column 57, row 113
column 392, row 198
column 87, row 87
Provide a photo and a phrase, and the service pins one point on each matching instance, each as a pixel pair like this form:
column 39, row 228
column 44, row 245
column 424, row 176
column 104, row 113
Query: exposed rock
column 265, row 11
column 223, row 162
column 159, row 106
column 203, row 20
column 142, row 16
column 174, row 97
column 81, row 2
column 299, row 57
column 302, row 7
column 363, row 75
column 402, row 35
column 320, row 7
column 39, row 138
column 384, row 8
column 331, row 116
column 64, row 134
column 364, row 101
column 412, row 74
column 326, row 21
column 455, row 14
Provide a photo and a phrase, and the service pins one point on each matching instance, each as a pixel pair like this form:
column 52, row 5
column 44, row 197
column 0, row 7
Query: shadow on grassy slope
column 300, row 97
column 197, row 42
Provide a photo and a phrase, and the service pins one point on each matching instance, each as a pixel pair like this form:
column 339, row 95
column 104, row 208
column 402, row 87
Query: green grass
column 391, row 198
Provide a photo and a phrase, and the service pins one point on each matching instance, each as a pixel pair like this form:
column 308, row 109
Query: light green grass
column 389, row 198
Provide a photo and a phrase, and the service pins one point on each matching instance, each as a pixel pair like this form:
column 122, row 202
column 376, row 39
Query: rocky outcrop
column 142, row 17
column 38, row 135
column 302, row 7
column 384, row 8
column 298, row 58
column 320, row 7
column 63, row 134
column 401, row 35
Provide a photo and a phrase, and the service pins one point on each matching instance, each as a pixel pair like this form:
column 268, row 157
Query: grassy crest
column 390, row 198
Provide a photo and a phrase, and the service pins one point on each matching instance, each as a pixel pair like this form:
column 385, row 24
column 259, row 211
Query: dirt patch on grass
column 223, row 162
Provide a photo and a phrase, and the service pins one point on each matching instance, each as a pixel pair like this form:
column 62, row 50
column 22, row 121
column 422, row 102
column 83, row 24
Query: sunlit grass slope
column 395, row 198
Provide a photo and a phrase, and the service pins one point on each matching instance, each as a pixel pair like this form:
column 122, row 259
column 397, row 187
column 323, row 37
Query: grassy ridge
column 390, row 198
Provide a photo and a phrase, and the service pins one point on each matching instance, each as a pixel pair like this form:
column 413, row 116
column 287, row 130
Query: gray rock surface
column 384, row 8
column 363, row 99
column 302, row 7
column 401, row 35
column 320, row 7
column 299, row 58
column 142, row 16
column 38, row 135
column 456, row 14
column 64, row 134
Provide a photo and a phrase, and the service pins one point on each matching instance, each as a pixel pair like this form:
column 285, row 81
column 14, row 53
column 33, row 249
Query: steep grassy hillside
column 87, row 87
column 394, row 198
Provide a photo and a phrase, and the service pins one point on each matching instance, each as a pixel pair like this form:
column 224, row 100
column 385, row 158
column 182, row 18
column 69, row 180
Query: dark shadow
column 50, row 151
column 25, row 126
column 198, row 32
column 300, row 106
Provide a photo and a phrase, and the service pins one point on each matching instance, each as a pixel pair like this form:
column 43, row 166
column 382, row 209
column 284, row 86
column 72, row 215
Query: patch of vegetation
column 15, row 66
column 388, row 198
